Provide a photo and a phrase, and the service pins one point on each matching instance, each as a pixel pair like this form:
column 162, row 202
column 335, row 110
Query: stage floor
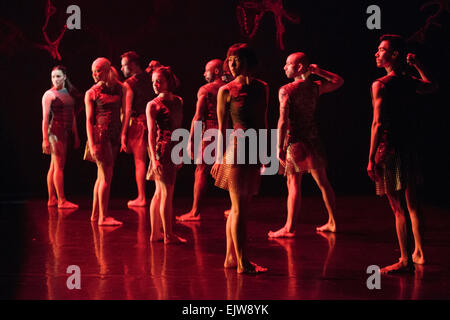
column 120, row 263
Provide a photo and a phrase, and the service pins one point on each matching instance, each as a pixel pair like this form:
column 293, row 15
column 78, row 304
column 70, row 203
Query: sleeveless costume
column 107, row 126
column 142, row 87
column 303, row 146
column 396, row 159
column 165, row 126
column 247, row 109
column 61, row 119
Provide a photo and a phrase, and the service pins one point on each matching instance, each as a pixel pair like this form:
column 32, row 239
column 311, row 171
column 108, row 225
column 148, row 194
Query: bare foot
column 52, row 202
column 282, row 233
column 158, row 238
column 229, row 263
column 137, row 203
column 418, row 258
column 67, row 205
column 174, row 239
column 251, row 268
column 329, row 227
column 399, row 267
column 190, row 216
column 109, row 222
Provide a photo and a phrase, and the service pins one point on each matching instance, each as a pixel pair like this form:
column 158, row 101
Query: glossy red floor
column 120, row 263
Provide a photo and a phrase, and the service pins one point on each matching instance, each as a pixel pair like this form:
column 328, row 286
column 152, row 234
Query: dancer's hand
column 46, row 147
column 95, row 151
column 215, row 169
column 314, row 68
column 371, row 170
column 123, row 143
column 157, row 169
column 411, row 60
column 282, row 157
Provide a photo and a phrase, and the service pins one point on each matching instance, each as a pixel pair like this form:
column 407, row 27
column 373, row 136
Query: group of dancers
column 139, row 115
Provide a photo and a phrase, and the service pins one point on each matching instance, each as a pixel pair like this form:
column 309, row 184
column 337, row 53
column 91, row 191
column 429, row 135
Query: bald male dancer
column 299, row 146
column 206, row 112
column 134, row 132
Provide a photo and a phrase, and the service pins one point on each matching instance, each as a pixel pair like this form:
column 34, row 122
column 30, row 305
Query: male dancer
column 134, row 131
column 393, row 164
column 299, row 146
column 206, row 112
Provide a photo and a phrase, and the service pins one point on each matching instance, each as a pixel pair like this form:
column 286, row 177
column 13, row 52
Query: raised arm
column 47, row 99
column 330, row 82
column 127, row 102
column 425, row 83
column 282, row 125
column 377, row 102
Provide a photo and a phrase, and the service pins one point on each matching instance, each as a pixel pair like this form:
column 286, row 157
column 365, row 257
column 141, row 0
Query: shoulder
column 49, row 95
column 203, row 90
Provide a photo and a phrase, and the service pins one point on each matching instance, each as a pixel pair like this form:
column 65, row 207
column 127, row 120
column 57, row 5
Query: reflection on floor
column 119, row 263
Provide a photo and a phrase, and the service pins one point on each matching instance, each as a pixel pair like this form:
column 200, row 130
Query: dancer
column 58, row 123
column 104, row 102
column 207, row 113
column 393, row 164
column 164, row 114
column 134, row 131
column 299, row 146
column 246, row 99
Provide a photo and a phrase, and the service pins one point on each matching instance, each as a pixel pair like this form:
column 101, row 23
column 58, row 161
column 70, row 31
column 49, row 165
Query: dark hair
column 172, row 80
column 70, row 87
column 244, row 52
column 132, row 56
column 396, row 43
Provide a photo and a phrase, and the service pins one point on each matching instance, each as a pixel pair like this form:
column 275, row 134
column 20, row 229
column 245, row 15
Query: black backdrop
column 185, row 35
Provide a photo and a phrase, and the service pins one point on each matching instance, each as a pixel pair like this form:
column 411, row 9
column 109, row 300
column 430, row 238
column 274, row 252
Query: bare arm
column 47, row 99
column 90, row 119
column 377, row 101
column 75, row 131
column 282, row 124
column 150, row 112
column 198, row 116
column 222, row 99
column 127, row 102
column 331, row 81
column 425, row 84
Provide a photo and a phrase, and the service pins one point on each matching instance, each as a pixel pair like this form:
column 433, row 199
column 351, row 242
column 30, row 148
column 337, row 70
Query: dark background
column 185, row 35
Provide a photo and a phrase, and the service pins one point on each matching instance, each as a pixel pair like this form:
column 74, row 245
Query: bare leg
column 58, row 181
column 230, row 259
column 238, row 231
column 294, row 182
column 104, row 188
column 95, row 206
column 320, row 176
column 155, row 216
column 405, row 263
column 165, row 210
column 140, row 171
column 415, row 215
column 200, row 185
column 52, row 199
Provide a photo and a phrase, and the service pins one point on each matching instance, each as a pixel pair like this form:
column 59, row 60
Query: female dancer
column 103, row 101
column 58, row 123
column 164, row 114
column 246, row 99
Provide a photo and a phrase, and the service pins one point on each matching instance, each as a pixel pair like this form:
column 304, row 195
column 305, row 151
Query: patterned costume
column 167, row 120
column 247, row 109
column 61, row 119
column 141, row 85
column 303, row 146
column 396, row 159
column 107, row 126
